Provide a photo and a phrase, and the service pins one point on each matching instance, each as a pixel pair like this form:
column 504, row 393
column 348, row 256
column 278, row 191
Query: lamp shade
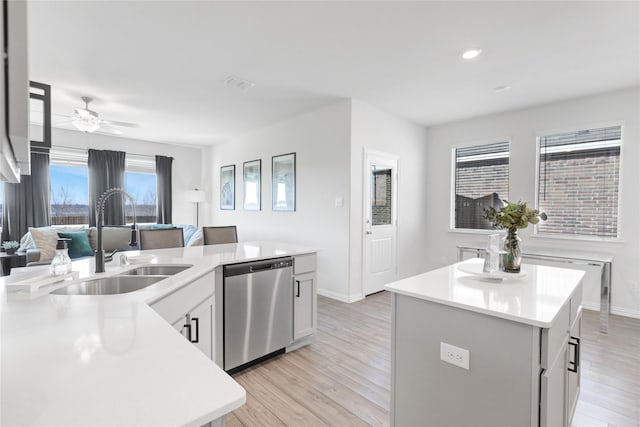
column 196, row 196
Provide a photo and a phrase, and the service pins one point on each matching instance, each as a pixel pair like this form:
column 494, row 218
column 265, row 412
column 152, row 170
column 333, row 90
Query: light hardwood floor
column 343, row 379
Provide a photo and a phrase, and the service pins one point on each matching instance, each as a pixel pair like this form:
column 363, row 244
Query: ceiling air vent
column 239, row 83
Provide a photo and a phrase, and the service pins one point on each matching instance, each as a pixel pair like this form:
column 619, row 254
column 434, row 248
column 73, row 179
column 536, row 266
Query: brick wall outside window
column 481, row 181
column 580, row 193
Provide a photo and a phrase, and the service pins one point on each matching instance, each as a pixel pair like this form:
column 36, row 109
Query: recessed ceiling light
column 239, row 83
column 471, row 53
column 503, row 88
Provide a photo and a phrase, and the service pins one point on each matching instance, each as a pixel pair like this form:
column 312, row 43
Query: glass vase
column 512, row 256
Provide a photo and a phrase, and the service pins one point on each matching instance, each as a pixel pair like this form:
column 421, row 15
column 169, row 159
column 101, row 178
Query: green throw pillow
column 162, row 226
column 79, row 245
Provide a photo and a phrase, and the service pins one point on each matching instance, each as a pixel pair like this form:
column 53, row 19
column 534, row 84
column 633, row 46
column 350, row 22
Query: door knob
column 369, row 232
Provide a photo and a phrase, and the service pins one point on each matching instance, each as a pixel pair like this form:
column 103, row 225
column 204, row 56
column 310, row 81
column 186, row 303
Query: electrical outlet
column 455, row 355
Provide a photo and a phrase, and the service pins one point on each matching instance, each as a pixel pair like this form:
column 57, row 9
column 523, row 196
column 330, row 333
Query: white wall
column 320, row 140
column 521, row 127
column 186, row 164
column 377, row 130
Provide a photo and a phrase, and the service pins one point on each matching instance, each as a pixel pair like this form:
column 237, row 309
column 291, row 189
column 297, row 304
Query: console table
column 603, row 261
column 9, row 261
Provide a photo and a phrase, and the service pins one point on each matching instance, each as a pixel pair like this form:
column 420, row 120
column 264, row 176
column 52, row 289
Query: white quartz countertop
column 534, row 299
column 112, row 360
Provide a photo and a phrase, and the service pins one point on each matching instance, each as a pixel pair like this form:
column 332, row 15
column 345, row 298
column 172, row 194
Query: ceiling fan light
column 82, row 113
column 86, row 126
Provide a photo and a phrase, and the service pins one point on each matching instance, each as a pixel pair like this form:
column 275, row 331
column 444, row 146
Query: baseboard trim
column 625, row 312
column 339, row 297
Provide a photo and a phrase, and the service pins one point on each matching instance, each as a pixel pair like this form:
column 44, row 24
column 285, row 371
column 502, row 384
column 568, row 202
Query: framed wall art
column 252, row 185
column 228, row 187
column 283, row 183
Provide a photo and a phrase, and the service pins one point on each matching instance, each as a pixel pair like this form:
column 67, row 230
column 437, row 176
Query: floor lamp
column 196, row 196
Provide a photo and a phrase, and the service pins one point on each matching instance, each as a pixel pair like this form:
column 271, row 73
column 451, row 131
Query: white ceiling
column 162, row 64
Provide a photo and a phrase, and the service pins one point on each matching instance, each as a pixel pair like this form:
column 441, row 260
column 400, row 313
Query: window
column 70, row 187
column 481, row 180
column 69, row 196
column 578, row 182
column 140, row 182
column 142, row 186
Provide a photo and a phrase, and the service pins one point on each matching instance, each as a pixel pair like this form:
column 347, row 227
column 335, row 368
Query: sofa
column 39, row 243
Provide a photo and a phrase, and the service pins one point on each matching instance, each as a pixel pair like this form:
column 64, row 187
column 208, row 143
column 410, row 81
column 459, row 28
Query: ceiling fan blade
column 108, row 130
column 122, row 124
column 62, row 123
column 66, row 116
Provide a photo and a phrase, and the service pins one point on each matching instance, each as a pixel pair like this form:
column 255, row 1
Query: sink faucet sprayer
column 99, row 224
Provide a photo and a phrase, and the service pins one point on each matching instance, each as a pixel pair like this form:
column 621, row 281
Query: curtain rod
column 87, row 149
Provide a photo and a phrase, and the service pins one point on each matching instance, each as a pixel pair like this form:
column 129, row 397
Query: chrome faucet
column 99, row 254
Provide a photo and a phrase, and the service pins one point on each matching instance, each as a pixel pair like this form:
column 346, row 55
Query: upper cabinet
column 14, row 93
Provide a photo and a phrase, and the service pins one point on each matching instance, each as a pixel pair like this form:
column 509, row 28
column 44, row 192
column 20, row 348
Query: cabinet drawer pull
column 298, row 289
column 188, row 328
column 197, row 329
column 575, row 343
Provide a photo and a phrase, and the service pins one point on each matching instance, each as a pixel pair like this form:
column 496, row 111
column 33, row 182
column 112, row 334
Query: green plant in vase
column 10, row 246
column 513, row 217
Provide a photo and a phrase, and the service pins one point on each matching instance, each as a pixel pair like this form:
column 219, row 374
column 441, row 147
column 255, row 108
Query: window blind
column 70, row 156
column 67, row 156
column 578, row 182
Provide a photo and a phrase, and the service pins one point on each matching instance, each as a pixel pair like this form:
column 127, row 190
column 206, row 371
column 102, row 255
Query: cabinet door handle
column 188, row 328
column 197, row 328
column 298, row 289
column 573, row 365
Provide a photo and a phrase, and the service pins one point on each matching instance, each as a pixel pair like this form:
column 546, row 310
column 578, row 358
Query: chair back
column 162, row 238
column 219, row 235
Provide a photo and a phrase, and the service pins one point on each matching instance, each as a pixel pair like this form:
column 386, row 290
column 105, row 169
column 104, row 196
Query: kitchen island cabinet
column 118, row 359
column 514, row 348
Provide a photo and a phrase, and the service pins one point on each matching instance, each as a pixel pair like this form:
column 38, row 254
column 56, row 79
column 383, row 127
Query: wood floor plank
column 254, row 413
column 344, row 377
column 291, row 412
column 310, row 392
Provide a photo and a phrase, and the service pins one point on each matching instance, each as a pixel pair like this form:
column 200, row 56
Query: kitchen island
column 114, row 359
column 467, row 351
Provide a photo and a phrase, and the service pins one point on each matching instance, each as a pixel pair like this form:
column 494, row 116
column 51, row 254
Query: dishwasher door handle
column 263, row 267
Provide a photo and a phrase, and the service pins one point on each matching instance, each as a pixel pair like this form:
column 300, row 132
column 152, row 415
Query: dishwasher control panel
column 283, row 264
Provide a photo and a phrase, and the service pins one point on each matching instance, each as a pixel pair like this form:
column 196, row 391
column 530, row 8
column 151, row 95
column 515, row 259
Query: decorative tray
column 32, row 281
column 475, row 269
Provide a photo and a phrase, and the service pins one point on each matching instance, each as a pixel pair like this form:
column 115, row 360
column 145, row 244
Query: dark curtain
column 106, row 170
column 163, row 190
column 27, row 204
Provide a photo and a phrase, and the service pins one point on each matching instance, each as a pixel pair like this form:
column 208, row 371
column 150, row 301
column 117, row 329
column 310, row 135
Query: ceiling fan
column 89, row 121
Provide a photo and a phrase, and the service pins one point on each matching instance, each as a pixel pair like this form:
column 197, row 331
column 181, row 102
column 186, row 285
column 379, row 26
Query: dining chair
column 162, row 238
column 219, row 235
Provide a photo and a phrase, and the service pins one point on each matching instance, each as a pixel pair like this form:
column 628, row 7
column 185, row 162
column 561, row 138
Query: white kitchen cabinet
column 518, row 374
column 553, row 383
column 190, row 311
column 14, row 93
column 304, row 305
column 573, row 370
column 304, row 292
column 197, row 327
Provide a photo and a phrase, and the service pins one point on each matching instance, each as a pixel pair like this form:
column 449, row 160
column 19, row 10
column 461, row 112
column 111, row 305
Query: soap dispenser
column 61, row 263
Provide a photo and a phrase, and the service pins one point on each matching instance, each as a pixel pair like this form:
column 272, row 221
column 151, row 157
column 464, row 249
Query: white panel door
column 380, row 221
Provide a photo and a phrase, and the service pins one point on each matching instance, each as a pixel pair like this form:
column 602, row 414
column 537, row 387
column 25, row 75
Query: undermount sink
column 156, row 270
column 109, row 285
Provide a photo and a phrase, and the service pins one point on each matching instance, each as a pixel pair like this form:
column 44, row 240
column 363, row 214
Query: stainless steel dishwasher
column 258, row 314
